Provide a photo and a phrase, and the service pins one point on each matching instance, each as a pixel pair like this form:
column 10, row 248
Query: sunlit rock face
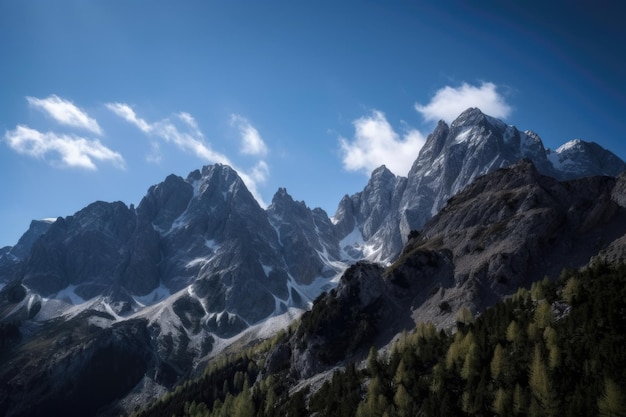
column 453, row 157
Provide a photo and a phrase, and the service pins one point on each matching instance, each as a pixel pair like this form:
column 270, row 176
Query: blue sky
column 101, row 99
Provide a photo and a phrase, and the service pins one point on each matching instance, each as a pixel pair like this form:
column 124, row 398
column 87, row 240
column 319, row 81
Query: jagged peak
column 575, row 143
column 533, row 135
column 217, row 169
column 281, row 195
column 382, row 173
column 282, row 198
column 472, row 115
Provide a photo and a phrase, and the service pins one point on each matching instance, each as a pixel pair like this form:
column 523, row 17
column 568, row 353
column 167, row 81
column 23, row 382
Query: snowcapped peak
column 471, row 116
column 572, row 144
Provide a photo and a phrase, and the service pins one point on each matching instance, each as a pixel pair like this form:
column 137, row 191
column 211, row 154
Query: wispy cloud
column 182, row 130
column 251, row 141
column 127, row 113
column 189, row 139
column 73, row 151
column 260, row 172
column 449, row 102
column 65, row 112
column 376, row 143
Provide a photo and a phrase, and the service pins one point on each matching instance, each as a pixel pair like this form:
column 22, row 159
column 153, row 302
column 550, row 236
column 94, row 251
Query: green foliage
column 518, row 358
column 612, row 403
column 464, row 316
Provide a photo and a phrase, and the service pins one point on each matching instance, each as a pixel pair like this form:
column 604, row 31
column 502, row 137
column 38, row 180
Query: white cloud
column 127, row 113
column 74, row 151
column 65, row 112
column 260, row 172
column 189, row 138
column 375, row 143
column 155, row 156
column 251, row 141
column 449, row 102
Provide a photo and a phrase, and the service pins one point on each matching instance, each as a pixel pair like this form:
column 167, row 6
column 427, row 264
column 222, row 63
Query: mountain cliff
column 198, row 263
column 452, row 157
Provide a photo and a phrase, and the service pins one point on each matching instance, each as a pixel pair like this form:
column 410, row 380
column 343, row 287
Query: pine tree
column 501, row 402
column 543, row 314
column 403, row 402
column 472, row 363
column 372, row 362
column 243, row 406
column 571, row 290
column 513, row 333
column 544, row 400
column 497, row 362
column 519, row 400
column 465, row 316
column 270, row 401
column 612, row 403
column 376, row 403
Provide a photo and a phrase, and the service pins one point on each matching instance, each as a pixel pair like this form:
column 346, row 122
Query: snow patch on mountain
column 69, row 294
column 158, row 294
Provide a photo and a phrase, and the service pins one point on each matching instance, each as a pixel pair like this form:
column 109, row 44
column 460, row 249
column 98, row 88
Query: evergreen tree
column 376, row 402
column 544, row 400
column 372, row 362
column 572, row 290
column 612, row 403
column 403, row 402
column 513, row 333
column 543, row 314
column 501, row 402
column 519, row 400
column 243, row 405
column 497, row 365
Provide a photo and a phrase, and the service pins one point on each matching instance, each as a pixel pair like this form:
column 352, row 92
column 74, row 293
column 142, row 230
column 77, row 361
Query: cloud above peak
column 65, row 112
column 449, row 102
column 182, row 130
column 376, row 143
column 251, row 141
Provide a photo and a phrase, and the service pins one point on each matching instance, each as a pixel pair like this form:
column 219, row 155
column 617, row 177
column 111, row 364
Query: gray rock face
column 578, row 158
column 452, row 158
column 372, row 215
column 10, row 256
column 506, row 230
column 515, row 226
column 89, row 250
column 199, row 260
column 307, row 238
column 206, row 232
column 56, row 374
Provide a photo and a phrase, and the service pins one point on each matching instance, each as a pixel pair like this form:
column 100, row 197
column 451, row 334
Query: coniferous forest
column 556, row 349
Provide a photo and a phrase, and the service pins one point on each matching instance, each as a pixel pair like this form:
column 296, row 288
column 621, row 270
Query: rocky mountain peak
column 580, row 158
column 199, row 259
column 471, row 116
column 283, row 198
column 218, row 178
column 454, row 156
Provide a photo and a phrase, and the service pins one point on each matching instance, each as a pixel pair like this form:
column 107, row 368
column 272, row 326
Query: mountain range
column 158, row 289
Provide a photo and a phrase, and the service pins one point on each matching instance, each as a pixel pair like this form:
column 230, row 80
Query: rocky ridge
column 508, row 229
column 198, row 261
column 453, row 157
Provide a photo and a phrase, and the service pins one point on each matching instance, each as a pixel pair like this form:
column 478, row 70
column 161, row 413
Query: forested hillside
column 556, row 349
